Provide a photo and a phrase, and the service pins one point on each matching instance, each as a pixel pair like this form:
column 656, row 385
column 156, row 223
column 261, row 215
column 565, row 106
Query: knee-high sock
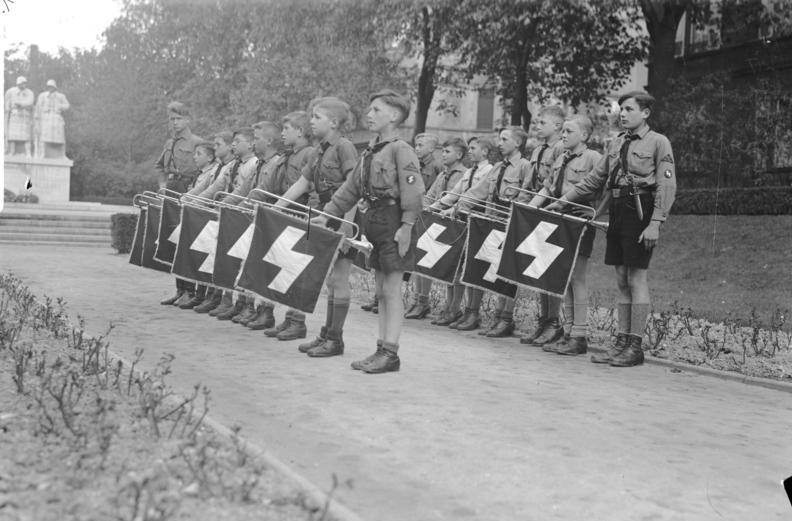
column 624, row 309
column 330, row 309
column 458, row 291
column 638, row 314
column 340, row 310
column 474, row 299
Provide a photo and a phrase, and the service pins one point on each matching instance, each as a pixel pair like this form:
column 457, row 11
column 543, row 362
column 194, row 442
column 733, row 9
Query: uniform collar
column 483, row 163
column 514, row 159
column 573, row 155
column 553, row 141
column 460, row 168
column 332, row 140
column 377, row 141
column 211, row 166
column 641, row 133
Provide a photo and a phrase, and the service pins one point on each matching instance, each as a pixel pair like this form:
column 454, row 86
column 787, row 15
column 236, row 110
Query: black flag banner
column 484, row 249
column 234, row 234
column 441, row 242
column 195, row 252
column 540, row 249
column 169, row 229
column 136, row 253
column 150, row 236
column 285, row 263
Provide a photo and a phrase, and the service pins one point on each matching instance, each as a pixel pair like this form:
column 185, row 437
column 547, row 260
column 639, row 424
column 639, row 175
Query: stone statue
column 19, row 117
column 50, row 131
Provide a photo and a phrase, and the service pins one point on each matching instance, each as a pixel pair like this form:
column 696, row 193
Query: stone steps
column 61, row 224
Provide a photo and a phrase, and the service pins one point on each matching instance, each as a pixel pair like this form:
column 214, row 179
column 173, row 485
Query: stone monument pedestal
column 50, row 177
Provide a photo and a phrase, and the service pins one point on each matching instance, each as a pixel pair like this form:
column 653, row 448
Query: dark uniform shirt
column 394, row 173
column 430, row 169
column 650, row 162
column 176, row 159
column 500, row 184
column 329, row 165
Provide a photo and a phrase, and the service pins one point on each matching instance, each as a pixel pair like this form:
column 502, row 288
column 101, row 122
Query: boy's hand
column 320, row 220
column 650, row 235
column 402, row 238
column 555, row 206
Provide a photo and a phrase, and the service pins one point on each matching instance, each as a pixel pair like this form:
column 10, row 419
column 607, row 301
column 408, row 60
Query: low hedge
column 122, row 230
column 766, row 200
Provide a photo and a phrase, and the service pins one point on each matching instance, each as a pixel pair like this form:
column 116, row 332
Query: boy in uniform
column 296, row 136
column 638, row 170
column 425, row 146
column 479, row 149
column 177, row 169
column 569, row 169
column 454, row 150
column 388, row 178
column 500, row 188
column 550, row 147
column 329, row 165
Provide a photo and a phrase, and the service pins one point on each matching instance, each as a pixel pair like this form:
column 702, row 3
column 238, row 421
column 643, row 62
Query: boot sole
column 391, row 369
column 255, row 327
column 614, row 363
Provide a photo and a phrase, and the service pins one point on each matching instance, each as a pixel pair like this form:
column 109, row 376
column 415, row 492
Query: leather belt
column 382, row 202
column 626, row 191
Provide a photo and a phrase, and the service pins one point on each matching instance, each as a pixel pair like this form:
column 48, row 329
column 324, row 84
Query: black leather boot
column 333, row 346
column 273, row 331
column 502, row 329
column 383, row 361
column 631, row 355
column 576, row 345
column 418, row 311
column 210, row 303
column 295, row 330
column 470, row 323
column 615, row 349
column 264, row 319
column 552, row 332
column 528, row 338
column 358, row 364
column 316, row 342
column 449, row 318
column 231, row 312
column 186, row 297
column 170, row 301
column 552, row 347
column 248, row 313
column 462, row 318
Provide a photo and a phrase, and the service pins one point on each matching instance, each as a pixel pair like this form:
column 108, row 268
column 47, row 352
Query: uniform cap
column 178, row 108
column 51, row 83
column 21, row 80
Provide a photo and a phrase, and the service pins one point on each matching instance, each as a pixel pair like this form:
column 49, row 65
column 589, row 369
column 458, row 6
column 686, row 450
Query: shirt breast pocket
column 575, row 174
column 330, row 169
column 509, row 188
column 642, row 162
column 383, row 175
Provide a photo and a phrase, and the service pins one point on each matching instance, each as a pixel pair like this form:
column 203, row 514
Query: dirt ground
column 469, row 429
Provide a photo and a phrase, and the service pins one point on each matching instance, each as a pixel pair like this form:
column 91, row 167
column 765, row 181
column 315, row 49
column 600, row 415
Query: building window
column 485, row 114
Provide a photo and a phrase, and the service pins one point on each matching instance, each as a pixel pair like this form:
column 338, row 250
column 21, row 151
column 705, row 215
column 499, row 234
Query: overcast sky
column 56, row 23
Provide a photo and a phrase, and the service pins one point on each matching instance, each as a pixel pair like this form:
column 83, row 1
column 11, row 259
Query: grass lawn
column 715, row 265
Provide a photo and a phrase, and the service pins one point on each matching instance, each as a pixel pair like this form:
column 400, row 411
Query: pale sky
column 56, row 23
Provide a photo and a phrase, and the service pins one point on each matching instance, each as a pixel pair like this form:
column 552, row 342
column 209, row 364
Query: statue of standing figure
column 19, row 118
column 50, row 127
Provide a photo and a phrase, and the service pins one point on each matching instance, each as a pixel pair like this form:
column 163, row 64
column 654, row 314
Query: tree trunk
column 662, row 18
column 520, row 115
column 431, row 53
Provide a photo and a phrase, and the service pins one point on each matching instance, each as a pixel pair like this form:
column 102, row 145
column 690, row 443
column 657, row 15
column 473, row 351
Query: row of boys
column 391, row 182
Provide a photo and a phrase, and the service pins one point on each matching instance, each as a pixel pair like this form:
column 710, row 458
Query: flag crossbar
column 590, row 220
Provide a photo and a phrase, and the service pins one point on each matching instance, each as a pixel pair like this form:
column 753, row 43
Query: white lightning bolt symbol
column 434, row 249
column 241, row 248
column 290, row 262
column 536, row 245
column 174, row 236
column 491, row 252
column 206, row 242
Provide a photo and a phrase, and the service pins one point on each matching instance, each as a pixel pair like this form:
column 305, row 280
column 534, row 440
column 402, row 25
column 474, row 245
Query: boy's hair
column 226, row 135
column 556, row 111
column 426, row 136
column 395, row 100
column 583, row 122
column 484, row 142
column 246, row 132
column 643, row 99
column 178, row 108
column 271, row 130
column 299, row 120
column 518, row 134
column 458, row 144
column 333, row 108
column 208, row 147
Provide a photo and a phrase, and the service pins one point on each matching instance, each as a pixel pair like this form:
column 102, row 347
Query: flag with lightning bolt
column 136, row 252
column 195, row 251
column 441, row 242
column 233, row 243
column 540, row 249
column 286, row 265
column 150, row 235
column 484, row 249
column 169, row 228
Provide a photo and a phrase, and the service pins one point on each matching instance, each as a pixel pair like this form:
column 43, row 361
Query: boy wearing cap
column 638, row 171
column 388, row 179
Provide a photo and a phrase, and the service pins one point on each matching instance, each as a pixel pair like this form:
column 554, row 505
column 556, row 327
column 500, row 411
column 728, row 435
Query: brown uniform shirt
column 542, row 160
column 329, row 165
column 650, row 162
column 444, row 182
column 394, row 172
column 430, row 169
column 286, row 171
column 578, row 167
column 177, row 156
column 500, row 184
column 205, row 178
